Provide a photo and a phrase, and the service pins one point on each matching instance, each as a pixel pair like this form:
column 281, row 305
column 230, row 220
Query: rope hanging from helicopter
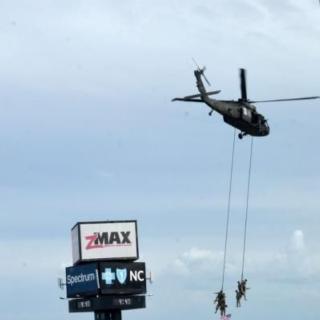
column 220, row 299
column 228, row 211
column 247, row 210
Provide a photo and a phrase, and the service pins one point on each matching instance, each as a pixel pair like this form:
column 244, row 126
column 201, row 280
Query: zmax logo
column 106, row 239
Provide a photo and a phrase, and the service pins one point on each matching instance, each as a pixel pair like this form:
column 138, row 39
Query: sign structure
column 107, row 303
column 82, row 280
column 110, row 240
column 122, row 278
column 104, row 278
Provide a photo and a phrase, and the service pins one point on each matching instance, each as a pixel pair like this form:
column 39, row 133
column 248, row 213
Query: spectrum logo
column 105, row 239
column 80, row 278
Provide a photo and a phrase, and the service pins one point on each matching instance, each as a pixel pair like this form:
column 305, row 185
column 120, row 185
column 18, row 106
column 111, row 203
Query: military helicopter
column 241, row 113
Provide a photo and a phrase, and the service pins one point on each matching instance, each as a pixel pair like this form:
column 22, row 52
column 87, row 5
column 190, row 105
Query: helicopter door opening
column 246, row 114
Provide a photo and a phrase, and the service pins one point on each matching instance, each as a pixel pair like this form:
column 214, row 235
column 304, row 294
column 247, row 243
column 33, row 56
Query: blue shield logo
column 121, row 275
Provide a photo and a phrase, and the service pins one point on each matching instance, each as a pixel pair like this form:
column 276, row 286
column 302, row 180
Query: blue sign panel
column 82, row 280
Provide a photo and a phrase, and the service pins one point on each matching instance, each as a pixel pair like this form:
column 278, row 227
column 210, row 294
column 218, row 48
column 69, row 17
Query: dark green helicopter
column 241, row 113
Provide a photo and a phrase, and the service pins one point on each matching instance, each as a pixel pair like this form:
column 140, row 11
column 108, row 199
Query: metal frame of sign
column 78, row 224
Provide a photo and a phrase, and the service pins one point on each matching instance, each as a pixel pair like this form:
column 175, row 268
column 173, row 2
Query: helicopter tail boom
column 195, row 97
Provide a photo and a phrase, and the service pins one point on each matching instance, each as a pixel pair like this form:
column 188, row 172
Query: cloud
column 196, row 260
column 294, row 263
column 67, row 44
column 297, row 241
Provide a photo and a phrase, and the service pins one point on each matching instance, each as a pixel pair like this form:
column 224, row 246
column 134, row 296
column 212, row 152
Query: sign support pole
column 107, row 315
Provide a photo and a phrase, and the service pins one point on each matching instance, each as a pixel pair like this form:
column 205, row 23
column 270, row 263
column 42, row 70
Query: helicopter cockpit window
column 255, row 118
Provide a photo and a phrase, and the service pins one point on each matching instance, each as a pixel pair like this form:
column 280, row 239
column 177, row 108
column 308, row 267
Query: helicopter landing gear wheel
column 241, row 135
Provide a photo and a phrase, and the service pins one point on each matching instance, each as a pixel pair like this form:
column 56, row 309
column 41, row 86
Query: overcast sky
column 88, row 132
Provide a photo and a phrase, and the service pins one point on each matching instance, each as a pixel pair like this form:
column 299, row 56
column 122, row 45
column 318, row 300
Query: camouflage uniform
column 244, row 288
column 220, row 301
column 223, row 308
column 238, row 298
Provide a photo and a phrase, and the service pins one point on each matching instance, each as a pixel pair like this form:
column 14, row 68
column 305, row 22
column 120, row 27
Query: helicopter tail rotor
column 201, row 71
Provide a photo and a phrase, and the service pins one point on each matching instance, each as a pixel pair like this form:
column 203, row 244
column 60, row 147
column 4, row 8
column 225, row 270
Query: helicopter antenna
column 201, row 71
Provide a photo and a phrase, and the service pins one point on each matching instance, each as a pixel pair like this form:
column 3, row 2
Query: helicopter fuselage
column 242, row 116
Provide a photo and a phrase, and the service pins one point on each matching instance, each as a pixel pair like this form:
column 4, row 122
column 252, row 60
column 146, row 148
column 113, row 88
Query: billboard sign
column 122, row 278
column 82, row 280
column 107, row 303
column 111, row 240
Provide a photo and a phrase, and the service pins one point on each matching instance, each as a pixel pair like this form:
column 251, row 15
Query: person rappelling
column 241, row 291
column 220, row 302
column 238, row 298
column 243, row 285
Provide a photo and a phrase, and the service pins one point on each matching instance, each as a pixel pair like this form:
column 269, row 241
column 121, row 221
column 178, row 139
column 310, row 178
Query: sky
column 88, row 132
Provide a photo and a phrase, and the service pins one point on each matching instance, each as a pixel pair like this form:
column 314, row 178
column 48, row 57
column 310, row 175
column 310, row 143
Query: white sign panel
column 112, row 240
column 75, row 243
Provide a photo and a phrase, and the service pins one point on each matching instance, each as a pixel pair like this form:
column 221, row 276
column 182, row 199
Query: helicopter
column 240, row 114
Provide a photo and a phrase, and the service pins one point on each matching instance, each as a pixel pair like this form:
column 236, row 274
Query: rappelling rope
column 247, row 209
column 228, row 210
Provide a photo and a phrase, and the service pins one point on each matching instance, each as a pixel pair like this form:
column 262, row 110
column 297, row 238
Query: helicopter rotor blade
column 243, row 85
column 205, row 78
column 195, row 62
column 290, row 99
